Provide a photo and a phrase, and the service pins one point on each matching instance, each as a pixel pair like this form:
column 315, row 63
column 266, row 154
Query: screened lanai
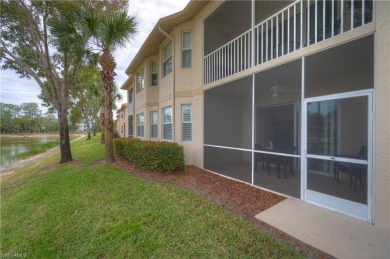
column 300, row 129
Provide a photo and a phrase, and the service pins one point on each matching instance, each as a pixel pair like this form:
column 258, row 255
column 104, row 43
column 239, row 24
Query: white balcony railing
column 302, row 23
column 233, row 57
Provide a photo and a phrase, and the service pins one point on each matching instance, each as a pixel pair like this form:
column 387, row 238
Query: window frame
column 167, row 59
column 140, row 80
column 153, row 72
column 185, row 122
column 153, row 124
column 140, row 125
column 164, row 123
column 185, row 49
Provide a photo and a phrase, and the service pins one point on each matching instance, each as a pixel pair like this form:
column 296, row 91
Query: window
column 140, row 125
column 130, row 101
column 130, row 95
column 122, row 114
column 186, row 110
column 153, row 123
column 130, row 125
column 167, row 123
column 167, row 59
column 187, row 49
column 140, row 80
column 121, row 128
column 153, row 69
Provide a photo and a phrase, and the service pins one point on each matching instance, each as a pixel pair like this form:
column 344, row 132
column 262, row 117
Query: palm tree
column 108, row 32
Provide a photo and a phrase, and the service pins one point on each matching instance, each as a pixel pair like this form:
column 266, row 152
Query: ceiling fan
column 276, row 90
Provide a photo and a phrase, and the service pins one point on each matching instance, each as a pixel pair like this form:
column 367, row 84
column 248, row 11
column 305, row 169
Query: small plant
column 151, row 155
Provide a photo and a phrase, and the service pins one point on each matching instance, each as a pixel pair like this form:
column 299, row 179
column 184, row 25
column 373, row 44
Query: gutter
column 174, row 80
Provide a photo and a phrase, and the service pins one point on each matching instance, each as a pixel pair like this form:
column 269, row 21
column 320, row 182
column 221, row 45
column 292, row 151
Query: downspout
column 174, row 80
column 133, row 108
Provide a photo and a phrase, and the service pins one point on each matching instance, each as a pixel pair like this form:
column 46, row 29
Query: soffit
column 168, row 23
column 127, row 84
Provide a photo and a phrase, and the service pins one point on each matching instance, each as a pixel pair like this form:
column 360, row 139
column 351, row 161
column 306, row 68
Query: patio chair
column 288, row 162
column 259, row 157
column 355, row 171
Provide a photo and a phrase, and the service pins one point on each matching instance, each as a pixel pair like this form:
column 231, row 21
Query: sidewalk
column 328, row 231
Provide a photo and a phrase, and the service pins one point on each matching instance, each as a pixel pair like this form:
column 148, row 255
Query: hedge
column 151, row 155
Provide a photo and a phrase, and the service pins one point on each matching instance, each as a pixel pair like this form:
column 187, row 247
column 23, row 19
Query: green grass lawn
column 81, row 210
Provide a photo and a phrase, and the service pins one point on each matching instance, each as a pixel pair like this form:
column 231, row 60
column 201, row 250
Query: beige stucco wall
column 382, row 116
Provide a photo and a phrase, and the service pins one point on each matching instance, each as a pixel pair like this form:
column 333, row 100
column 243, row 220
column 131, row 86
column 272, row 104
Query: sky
column 15, row 90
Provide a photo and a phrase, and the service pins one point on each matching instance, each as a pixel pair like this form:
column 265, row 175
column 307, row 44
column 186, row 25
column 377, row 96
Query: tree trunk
column 102, row 139
column 66, row 154
column 108, row 136
column 108, row 65
column 88, row 130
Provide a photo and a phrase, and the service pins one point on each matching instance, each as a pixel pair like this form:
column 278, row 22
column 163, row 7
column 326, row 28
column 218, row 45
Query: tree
column 111, row 32
column 28, row 48
column 26, row 118
column 86, row 95
column 32, row 113
column 106, row 33
column 8, row 114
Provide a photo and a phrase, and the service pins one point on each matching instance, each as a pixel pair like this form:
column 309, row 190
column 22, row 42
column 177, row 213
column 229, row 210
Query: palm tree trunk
column 103, row 128
column 108, row 65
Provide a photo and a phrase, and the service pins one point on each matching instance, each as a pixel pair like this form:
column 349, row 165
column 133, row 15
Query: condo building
column 288, row 96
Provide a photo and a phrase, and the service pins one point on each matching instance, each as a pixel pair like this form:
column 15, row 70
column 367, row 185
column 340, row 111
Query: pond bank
column 12, row 168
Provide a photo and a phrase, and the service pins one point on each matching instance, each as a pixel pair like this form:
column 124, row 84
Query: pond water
column 13, row 147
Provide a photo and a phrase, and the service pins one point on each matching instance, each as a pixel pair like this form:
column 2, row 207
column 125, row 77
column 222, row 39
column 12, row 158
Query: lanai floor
column 333, row 233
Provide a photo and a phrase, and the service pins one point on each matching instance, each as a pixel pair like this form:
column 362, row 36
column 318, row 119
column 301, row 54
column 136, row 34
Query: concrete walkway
column 328, row 231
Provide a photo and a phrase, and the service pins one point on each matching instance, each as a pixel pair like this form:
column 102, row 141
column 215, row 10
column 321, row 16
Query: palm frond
column 117, row 30
column 90, row 21
column 64, row 32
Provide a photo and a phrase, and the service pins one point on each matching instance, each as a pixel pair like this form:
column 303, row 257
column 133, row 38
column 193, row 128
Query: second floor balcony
column 272, row 29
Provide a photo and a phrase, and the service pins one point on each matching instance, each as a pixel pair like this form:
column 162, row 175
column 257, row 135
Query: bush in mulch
column 151, row 155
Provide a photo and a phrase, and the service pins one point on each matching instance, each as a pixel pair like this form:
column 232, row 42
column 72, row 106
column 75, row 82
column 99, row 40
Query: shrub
column 153, row 156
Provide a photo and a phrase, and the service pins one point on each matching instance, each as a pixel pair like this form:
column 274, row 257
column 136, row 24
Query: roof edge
column 189, row 11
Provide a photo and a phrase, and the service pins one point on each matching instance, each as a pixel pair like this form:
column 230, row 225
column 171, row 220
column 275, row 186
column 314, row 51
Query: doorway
column 338, row 145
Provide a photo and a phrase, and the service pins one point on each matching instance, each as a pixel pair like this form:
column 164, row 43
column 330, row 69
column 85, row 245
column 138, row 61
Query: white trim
column 276, row 153
column 303, row 133
column 339, row 96
column 361, row 211
column 350, row 208
column 153, row 72
column 231, row 148
column 141, row 125
column 253, row 127
column 166, row 123
column 153, row 124
column 164, row 60
column 183, row 49
column 370, row 157
column 140, row 84
column 338, row 159
column 183, row 122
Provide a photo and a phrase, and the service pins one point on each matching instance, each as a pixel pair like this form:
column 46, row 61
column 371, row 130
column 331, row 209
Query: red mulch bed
column 242, row 199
